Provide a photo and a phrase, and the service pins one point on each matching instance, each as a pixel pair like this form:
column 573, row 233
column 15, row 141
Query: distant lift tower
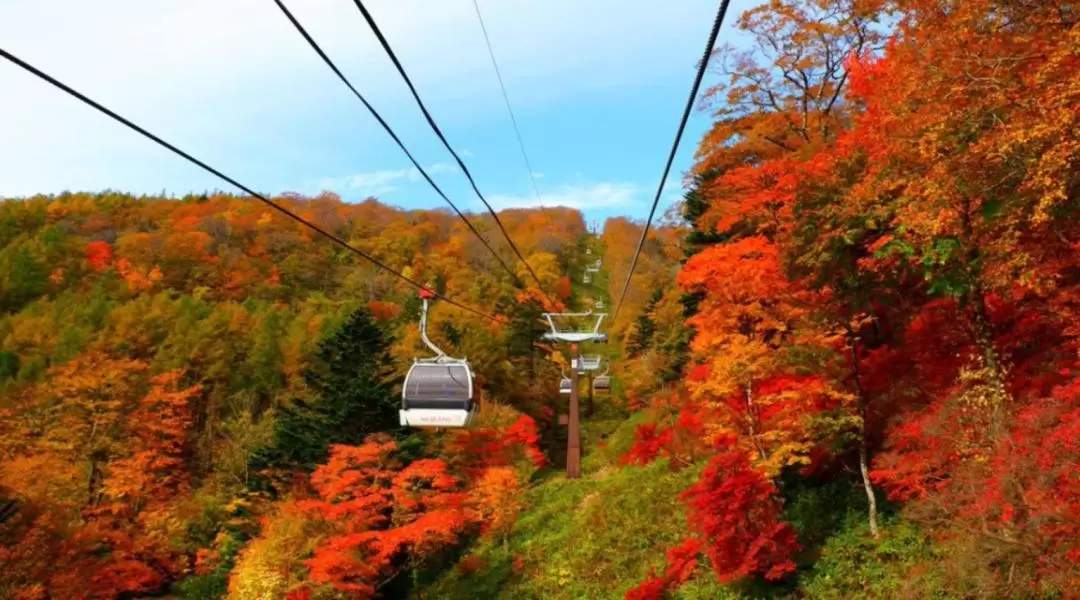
column 561, row 332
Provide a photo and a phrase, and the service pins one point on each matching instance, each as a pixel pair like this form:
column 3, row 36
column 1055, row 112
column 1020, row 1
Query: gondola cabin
column 602, row 384
column 438, row 393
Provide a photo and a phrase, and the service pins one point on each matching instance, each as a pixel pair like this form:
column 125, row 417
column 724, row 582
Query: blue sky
column 597, row 87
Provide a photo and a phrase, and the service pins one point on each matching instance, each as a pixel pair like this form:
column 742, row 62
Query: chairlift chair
column 586, row 278
column 438, row 391
column 565, row 385
column 566, row 333
column 602, row 383
column 590, row 362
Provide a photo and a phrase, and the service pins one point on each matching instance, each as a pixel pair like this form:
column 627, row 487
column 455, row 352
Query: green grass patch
column 853, row 564
column 607, row 440
column 593, row 538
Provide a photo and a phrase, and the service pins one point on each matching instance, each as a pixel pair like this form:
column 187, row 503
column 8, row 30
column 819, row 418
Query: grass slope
column 594, row 537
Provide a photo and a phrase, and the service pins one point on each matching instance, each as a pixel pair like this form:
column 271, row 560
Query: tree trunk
column 983, row 333
column 864, row 463
column 676, row 445
column 871, row 509
column 751, row 418
column 984, row 339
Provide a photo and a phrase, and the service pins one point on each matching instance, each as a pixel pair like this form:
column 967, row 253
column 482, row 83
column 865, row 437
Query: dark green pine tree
column 695, row 206
column 525, row 328
column 641, row 338
column 352, row 397
column 22, row 278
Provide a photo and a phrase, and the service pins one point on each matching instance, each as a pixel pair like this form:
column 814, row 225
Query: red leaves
column 524, row 435
column 384, row 311
column 864, row 74
column 648, row 444
column 99, row 255
column 682, row 561
column 160, row 445
column 479, row 449
column 97, row 562
column 302, row 593
column 678, row 432
column 471, row 564
column 652, row 589
column 746, row 270
column 734, row 509
column 379, row 512
column 1020, row 493
column 564, row 289
column 384, row 516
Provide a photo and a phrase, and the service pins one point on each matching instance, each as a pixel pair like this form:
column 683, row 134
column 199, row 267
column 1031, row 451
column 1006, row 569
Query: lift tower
column 574, row 336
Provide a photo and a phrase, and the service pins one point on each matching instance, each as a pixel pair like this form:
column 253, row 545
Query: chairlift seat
column 565, row 385
column 602, row 383
column 562, row 333
column 590, row 362
column 576, row 336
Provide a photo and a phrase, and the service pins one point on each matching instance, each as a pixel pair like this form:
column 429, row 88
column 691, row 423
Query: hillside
column 845, row 364
column 162, row 358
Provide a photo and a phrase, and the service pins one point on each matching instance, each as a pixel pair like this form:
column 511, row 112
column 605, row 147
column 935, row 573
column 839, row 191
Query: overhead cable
column 506, row 99
column 702, row 66
column 285, row 211
column 438, row 132
column 318, row 50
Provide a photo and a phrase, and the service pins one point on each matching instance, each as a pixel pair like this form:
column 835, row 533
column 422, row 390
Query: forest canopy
column 847, row 365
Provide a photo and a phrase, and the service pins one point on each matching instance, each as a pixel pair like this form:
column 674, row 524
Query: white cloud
column 379, row 183
column 247, row 95
column 538, row 175
column 144, row 53
column 580, row 196
column 440, row 168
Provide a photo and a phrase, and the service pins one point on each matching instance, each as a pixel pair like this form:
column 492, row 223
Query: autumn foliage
column 872, row 286
column 682, row 560
column 174, row 374
column 881, row 281
column 378, row 514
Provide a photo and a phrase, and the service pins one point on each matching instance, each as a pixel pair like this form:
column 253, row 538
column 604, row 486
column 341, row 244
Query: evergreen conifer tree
column 351, row 398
